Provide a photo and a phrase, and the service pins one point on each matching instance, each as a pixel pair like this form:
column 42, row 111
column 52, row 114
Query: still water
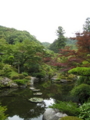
column 20, row 108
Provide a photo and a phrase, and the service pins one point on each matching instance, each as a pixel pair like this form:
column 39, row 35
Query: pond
column 20, row 108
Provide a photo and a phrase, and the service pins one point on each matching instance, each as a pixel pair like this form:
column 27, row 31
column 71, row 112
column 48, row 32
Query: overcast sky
column 42, row 17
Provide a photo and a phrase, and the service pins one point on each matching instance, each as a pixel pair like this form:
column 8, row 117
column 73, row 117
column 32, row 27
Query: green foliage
column 18, row 76
column 1, row 65
column 13, row 73
column 5, row 70
column 86, row 26
column 28, row 77
column 25, row 73
column 70, row 118
column 84, row 71
column 12, row 35
column 69, row 108
column 71, row 43
column 46, row 44
column 83, row 79
column 85, row 111
column 40, row 74
column 59, row 43
column 82, row 92
column 2, row 112
column 21, row 81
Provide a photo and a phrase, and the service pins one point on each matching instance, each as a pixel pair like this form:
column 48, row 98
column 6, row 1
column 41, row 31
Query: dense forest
column 23, row 56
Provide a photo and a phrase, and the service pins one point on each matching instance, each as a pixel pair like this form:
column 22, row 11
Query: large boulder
column 6, row 82
column 13, row 85
column 53, row 114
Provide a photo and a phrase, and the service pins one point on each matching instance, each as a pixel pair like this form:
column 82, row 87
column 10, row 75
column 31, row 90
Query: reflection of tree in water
column 58, row 91
column 20, row 106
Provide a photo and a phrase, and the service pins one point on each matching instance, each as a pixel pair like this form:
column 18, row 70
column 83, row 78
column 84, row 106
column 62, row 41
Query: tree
column 60, row 42
column 86, row 26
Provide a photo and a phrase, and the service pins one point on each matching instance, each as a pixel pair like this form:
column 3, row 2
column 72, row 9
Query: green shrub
column 21, row 81
column 28, row 77
column 2, row 113
column 83, row 71
column 82, row 92
column 6, row 70
column 69, row 108
column 1, row 65
column 85, row 111
column 70, row 118
column 25, row 73
column 19, row 76
column 83, row 79
column 15, row 77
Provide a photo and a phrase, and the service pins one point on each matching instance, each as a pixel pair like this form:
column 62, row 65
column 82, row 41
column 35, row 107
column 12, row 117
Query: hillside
column 12, row 35
column 46, row 44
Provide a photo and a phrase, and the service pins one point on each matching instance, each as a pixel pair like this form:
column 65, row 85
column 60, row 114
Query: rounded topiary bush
column 21, row 81
column 15, row 77
column 19, row 76
column 70, row 118
column 82, row 92
column 28, row 77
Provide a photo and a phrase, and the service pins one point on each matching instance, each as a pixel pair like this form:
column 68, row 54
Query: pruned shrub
column 70, row 118
column 82, row 92
column 25, row 73
column 15, row 77
column 83, row 79
column 28, row 77
column 21, row 81
column 19, row 76
column 84, row 71
column 6, row 70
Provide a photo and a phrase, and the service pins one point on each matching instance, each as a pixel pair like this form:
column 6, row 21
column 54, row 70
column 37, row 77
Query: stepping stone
column 36, row 99
column 32, row 88
column 38, row 93
column 36, row 90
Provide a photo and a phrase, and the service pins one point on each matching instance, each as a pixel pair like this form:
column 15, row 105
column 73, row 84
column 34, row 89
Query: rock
column 36, row 99
column 33, row 80
column 6, row 82
column 52, row 114
column 13, row 85
column 23, row 86
column 38, row 93
column 35, row 90
column 32, row 88
column 63, row 80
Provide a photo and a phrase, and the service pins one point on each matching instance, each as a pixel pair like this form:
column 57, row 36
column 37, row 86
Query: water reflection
column 49, row 102
column 18, row 118
column 20, row 108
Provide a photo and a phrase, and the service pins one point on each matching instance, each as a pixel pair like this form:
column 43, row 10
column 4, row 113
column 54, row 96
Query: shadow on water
column 20, row 108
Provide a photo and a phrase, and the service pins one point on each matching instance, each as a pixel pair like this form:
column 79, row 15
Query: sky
column 41, row 18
